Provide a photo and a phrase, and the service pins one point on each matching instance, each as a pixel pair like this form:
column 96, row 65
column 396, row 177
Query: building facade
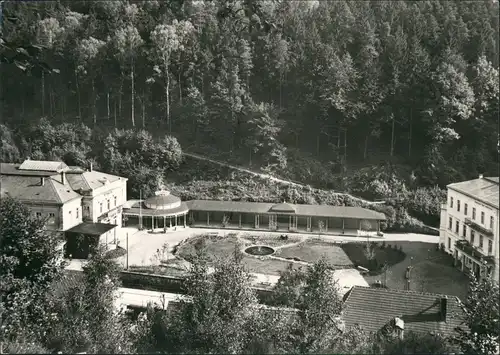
column 469, row 228
column 71, row 199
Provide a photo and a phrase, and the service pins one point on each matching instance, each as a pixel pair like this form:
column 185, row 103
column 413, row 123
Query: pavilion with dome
column 166, row 211
column 163, row 210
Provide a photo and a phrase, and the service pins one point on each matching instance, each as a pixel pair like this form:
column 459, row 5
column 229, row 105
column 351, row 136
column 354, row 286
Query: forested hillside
column 315, row 91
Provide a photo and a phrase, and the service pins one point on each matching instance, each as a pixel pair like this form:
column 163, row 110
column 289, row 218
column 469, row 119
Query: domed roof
column 162, row 200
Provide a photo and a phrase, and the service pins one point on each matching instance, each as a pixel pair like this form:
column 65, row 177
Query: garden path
column 270, row 177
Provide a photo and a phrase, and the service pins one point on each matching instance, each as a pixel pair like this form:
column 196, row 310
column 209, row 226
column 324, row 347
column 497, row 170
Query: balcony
column 465, row 247
column 477, row 227
column 110, row 214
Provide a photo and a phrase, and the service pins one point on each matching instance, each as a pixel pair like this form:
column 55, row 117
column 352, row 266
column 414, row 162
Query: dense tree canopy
column 479, row 334
column 30, row 261
column 343, row 80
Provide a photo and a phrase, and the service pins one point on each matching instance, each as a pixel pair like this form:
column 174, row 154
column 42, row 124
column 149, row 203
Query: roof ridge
column 395, row 290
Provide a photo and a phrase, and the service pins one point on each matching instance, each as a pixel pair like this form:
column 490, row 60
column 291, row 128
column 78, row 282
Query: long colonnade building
column 165, row 211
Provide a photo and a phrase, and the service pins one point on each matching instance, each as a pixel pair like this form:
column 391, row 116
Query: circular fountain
column 259, row 250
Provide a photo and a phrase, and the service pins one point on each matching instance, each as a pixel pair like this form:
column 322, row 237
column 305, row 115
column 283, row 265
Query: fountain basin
column 259, row 250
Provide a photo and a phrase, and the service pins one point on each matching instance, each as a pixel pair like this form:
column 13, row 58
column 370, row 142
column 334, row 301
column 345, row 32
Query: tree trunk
column 203, row 86
column 180, row 89
column 63, row 101
column 94, row 113
column 281, row 90
column 52, row 103
column 410, row 133
column 143, row 109
column 132, row 92
column 107, row 105
column 120, row 92
column 78, row 94
column 167, row 93
column 345, row 146
column 231, row 142
column 51, row 112
column 392, row 137
column 114, row 109
column 43, row 93
column 365, row 152
column 250, row 163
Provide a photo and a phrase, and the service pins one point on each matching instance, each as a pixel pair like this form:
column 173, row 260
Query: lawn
column 219, row 247
column 432, row 270
column 356, row 253
column 216, row 247
column 268, row 266
column 271, row 240
column 313, row 251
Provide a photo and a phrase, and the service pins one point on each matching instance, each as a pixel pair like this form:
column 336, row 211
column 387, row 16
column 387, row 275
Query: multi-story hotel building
column 72, row 200
column 469, row 228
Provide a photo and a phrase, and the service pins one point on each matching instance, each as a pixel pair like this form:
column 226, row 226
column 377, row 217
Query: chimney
column 443, row 305
column 480, row 176
column 63, row 177
column 400, row 327
column 42, row 181
column 91, row 167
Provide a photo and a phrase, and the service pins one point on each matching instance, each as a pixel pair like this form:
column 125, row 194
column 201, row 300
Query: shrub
column 382, row 246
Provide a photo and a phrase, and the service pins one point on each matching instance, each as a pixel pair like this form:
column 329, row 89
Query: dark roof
column 87, row 228
column 25, row 185
column 373, row 308
column 483, row 189
column 136, row 210
column 301, row 210
column 30, row 189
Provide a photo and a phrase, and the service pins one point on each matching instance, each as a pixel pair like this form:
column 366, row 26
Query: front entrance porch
column 472, row 266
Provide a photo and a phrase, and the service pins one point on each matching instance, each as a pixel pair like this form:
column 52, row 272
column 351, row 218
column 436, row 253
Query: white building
column 469, row 228
column 73, row 200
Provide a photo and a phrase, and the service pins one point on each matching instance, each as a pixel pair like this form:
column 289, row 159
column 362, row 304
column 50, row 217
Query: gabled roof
column 90, row 180
column 44, row 165
column 30, row 189
column 484, row 189
column 373, row 308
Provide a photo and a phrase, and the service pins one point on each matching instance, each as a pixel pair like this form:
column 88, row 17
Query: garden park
column 417, row 266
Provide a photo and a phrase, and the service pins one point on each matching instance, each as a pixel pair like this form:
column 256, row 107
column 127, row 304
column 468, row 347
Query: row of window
column 52, row 217
column 472, row 235
column 109, row 204
column 466, row 207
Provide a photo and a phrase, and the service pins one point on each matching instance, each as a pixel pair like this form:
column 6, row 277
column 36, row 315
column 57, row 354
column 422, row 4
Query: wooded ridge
column 379, row 99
